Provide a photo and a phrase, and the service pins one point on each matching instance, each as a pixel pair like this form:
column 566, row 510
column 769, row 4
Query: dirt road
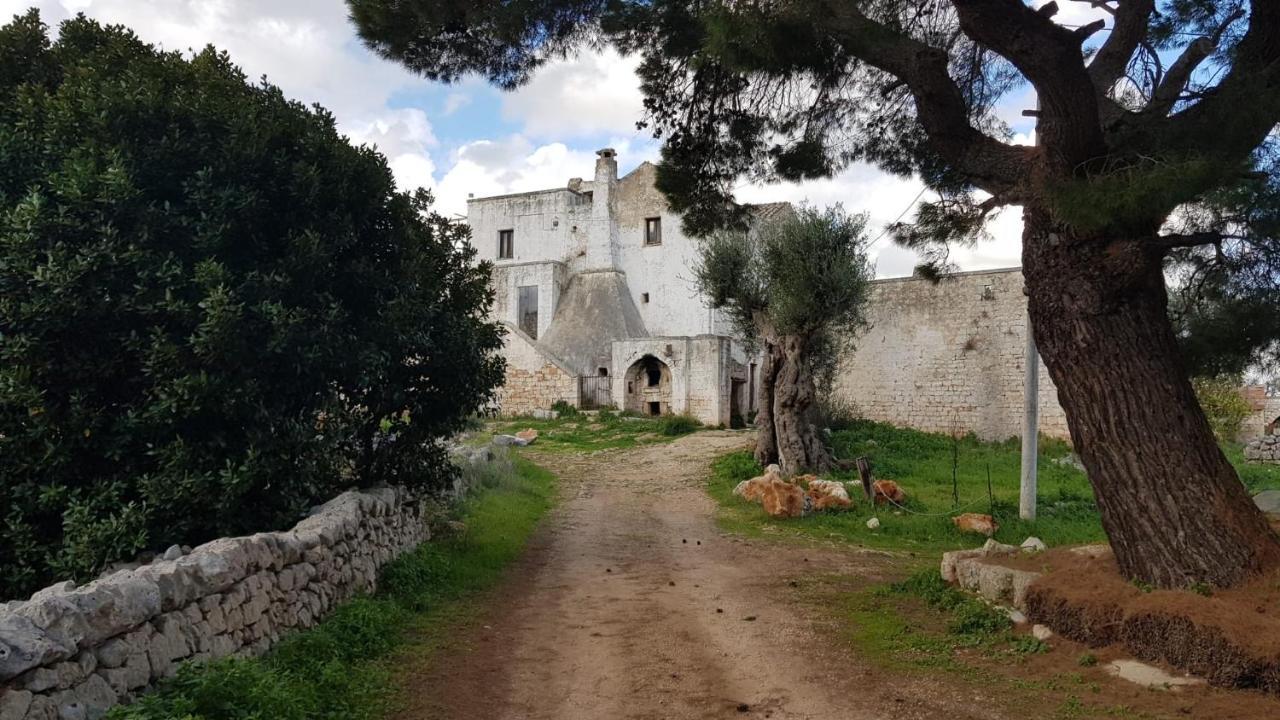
column 630, row 604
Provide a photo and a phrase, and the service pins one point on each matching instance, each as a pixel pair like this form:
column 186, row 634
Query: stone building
column 594, row 283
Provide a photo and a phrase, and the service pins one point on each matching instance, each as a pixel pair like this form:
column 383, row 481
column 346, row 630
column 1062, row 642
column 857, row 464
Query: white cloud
column 595, row 92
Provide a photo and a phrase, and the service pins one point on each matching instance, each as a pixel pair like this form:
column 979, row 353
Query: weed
column 1028, row 645
column 1143, row 585
column 1087, row 660
column 1201, row 588
column 674, row 425
column 564, row 409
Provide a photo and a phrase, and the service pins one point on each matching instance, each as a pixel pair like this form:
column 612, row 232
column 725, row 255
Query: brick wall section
column 535, row 381
column 73, row 652
column 947, row 356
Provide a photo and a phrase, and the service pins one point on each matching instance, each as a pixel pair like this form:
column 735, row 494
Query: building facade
column 594, row 282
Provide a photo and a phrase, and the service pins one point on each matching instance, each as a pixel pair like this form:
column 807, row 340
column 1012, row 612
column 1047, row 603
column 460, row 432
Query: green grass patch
column 922, row 463
column 1255, row 476
column 340, row 668
column 605, row 430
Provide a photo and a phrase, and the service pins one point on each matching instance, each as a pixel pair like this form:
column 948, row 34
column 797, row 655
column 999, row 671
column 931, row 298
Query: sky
column 470, row 138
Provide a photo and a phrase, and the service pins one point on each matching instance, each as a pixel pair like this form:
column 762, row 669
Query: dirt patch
column 1229, row 637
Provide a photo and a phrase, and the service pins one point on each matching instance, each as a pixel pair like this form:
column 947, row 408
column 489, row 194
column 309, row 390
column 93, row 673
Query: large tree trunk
column 800, row 445
column 1171, row 504
column 766, row 431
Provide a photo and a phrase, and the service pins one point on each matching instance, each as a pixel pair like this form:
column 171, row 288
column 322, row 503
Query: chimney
column 602, row 241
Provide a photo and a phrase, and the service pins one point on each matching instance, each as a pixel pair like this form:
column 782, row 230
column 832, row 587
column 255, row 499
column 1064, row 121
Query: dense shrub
column 1223, row 404
column 672, row 425
column 214, row 310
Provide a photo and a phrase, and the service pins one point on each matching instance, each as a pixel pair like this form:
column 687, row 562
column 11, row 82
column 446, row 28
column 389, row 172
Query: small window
column 527, row 309
column 653, row 231
column 604, row 372
column 644, row 297
column 506, row 244
column 654, row 376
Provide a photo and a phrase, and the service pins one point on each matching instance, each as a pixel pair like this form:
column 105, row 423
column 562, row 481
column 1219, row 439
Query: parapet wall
column 74, row 652
column 947, row 357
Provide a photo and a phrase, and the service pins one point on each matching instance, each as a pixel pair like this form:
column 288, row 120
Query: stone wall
column 535, row 380
column 947, row 357
column 1265, row 449
column 72, row 652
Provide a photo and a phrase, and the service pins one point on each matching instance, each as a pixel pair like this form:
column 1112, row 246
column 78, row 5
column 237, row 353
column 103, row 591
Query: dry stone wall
column 947, row 357
column 1265, row 449
column 71, row 653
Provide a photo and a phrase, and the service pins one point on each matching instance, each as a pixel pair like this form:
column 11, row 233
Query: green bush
column 672, row 425
column 564, row 409
column 1225, row 407
column 214, row 310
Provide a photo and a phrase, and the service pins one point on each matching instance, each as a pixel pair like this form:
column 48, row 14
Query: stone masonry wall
column 71, row 653
column 947, row 357
column 534, row 381
column 1265, row 449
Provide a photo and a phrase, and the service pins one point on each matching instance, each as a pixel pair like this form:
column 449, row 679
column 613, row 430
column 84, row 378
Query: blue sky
column 471, row 138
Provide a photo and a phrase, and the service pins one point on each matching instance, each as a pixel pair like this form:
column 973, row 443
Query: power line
column 902, row 214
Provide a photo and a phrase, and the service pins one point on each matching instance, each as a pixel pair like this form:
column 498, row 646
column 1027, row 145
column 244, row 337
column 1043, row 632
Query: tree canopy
column 215, row 311
column 1155, row 136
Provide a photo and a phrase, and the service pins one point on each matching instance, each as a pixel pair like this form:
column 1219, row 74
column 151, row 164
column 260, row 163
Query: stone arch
column 648, row 382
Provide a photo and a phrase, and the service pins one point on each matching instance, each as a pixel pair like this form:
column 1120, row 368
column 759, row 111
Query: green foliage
column 338, row 670
column 1223, row 404
column 805, row 273
column 1087, row 660
column 675, row 425
column 564, row 409
column 208, row 299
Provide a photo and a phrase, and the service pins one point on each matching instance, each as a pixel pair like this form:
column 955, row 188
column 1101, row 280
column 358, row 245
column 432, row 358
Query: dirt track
column 630, row 604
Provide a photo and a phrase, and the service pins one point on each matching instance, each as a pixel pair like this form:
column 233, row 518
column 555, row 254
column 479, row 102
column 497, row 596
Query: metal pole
column 1030, row 403
column 1030, row 427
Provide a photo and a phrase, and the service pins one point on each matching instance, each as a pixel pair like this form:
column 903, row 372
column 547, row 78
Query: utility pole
column 1030, row 426
column 1030, row 400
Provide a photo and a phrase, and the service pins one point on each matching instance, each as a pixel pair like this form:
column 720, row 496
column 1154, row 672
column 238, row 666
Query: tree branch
column 940, row 106
column 1237, row 114
column 1170, row 242
column 1170, row 89
column 1049, row 55
column 1127, row 33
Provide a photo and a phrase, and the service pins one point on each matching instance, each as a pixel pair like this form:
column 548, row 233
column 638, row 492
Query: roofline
column 521, row 194
column 946, row 276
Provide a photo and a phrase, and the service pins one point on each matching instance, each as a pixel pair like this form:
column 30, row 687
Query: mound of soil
column 1230, row 637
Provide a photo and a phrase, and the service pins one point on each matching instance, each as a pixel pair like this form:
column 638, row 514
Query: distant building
column 594, row 282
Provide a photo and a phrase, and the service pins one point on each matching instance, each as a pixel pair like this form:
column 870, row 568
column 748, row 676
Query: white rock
column 1034, row 544
column 873, row 523
column 1041, row 632
column 1015, row 616
column 773, row 468
column 173, row 553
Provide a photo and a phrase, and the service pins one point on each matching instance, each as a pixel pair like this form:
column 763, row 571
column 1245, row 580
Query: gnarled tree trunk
column 800, row 444
column 766, row 432
column 1173, row 507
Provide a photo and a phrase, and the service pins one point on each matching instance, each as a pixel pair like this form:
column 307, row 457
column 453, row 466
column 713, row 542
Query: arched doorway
column 648, row 387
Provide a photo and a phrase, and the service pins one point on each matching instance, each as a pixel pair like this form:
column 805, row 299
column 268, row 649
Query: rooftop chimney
column 602, row 241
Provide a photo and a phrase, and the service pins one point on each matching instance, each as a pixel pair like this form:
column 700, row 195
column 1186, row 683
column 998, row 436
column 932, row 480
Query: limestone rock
column 828, row 495
column 14, row 704
column 1041, row 632
column 1268, row 501
column 528, row 435
column 24, row 646
column 873, row 524
column 1034, row 544
column 976, row 523
column 887, row 491
column 783, row 500
column 507, row 440
column 173, row 553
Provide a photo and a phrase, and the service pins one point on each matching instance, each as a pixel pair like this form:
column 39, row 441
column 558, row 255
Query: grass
column 605, row 430
column 341, row 668
column 1256, row 476
column 922, row 464
column 923, row 625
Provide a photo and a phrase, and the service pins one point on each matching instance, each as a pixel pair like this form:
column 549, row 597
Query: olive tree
column 796, row 287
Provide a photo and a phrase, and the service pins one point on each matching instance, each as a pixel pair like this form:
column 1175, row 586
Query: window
column 644, row 297
column 654, row 375
column 653, row 231
column 506, row 244
column 527, row 310
column 604, row 372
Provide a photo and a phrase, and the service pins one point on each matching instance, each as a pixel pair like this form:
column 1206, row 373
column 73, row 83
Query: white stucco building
column 594, row 281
